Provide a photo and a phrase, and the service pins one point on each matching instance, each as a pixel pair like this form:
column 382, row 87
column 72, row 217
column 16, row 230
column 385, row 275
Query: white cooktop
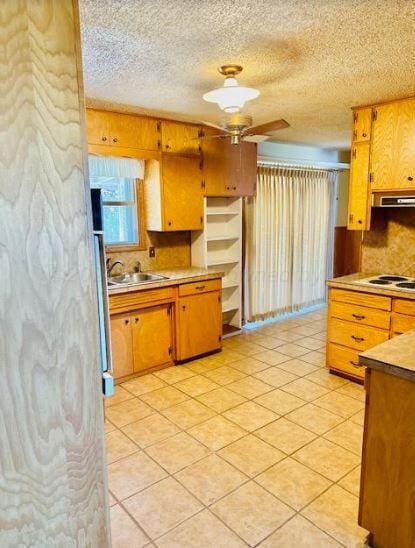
column 389, row 281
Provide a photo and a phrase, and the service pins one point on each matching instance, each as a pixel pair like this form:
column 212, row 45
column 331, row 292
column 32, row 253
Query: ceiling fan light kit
column 231, row 97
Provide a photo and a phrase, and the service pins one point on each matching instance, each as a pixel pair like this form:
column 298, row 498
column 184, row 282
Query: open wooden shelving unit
column 219, row 248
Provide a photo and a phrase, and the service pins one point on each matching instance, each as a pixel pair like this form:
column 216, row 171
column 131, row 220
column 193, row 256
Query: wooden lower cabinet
column 141, row 340
column 152, row 337
column 153, row 327
column 122, row 346
column 199, row 324
column 358, row 321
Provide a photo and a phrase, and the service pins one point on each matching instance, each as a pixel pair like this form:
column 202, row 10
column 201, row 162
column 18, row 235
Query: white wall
column 307, row 153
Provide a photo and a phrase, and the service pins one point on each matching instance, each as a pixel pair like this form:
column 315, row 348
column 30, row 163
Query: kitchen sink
column 134, row 278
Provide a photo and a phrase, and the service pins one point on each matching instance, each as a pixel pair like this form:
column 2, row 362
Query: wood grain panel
column 180, row 138
column 387, row 497
column 359, row 207
column 122, row 345
column 347, row 251
column 53, row 480
column 360, row 314
column 402, row 323
column 362, row 122
column 138, row 299
column 356, row 336
column 345, row 360
column 200, row 287
column 361, row 299
column 152, row 337
column 215, row 161
column 404, row 306
column 393, row 146
column 182, row 193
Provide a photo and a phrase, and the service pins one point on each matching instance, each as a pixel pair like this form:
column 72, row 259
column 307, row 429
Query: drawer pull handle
column 358, row 316
column 200, row 287
column 357, row 339
column 355, row 364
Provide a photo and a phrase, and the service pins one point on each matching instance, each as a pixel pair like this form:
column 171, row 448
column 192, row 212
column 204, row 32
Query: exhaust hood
column 404, row 198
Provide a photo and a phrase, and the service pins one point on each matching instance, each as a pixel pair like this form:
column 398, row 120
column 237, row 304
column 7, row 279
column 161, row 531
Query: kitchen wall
column 391, row 248
column 172, row 251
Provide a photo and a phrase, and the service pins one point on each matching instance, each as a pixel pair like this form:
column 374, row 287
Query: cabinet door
column 359, row 218
column 152, row 337
column 121, row 345
column 133, row 131
column 393, row 146
column 362, row 122
column 200, row 324
column 180, row 138
column 242, row 169
column 97, row 127
column 182, row 193
column 215, row 157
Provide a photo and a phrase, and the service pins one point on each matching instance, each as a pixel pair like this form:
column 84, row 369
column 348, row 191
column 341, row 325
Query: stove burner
column 406, row 285
column 380, row 282
column 394, row 278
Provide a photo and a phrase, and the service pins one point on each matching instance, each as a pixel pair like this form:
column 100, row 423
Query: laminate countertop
column 172, row 277
column 351, row 281
column 395, row 356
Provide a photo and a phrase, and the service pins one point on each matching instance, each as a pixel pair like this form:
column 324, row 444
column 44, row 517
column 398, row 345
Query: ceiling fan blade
column 223, row 136
column 220, row 128
column 255, row 138
column 268, row 127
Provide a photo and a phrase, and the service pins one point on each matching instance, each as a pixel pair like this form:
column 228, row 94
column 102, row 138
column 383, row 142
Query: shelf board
column 230, row 285
column 229, row 309
column 221, row 238
column 222, row 213
column 218, row 263
column 230, row 330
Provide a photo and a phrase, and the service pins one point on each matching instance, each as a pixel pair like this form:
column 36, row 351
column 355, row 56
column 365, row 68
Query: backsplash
column 172, row 251
column 391, row 250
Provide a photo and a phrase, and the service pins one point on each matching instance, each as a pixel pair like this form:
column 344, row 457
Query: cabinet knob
column 355, row 364
column 200, row 287
column 364, row 134
column 103, row 138
column 359, row 221
column 410, row 178
column 358, row 339
column 137, row 320
column 115, row 140
column 167, row 147
column 126, row 322
column 183, row 307
column 234, row 187
column 169, row 223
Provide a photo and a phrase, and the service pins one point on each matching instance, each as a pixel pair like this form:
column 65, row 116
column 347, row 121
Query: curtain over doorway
column 289, row 240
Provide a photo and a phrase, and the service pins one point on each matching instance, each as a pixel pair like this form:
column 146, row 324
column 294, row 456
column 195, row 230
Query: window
column 122, row 198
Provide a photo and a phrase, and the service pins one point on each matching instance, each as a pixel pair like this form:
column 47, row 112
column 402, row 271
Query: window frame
column 141, row 223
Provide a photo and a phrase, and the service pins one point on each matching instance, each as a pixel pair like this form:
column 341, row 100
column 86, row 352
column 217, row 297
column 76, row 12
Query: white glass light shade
column 231, row 97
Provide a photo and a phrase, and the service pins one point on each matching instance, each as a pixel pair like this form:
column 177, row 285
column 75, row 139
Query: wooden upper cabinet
column 122, row 130
column 393, row 146
column 174, row 193
column 152, row 337
column 358, row 216
column 182, row 193
column 180, row 138
column 215, row 158
column 362, row 123
column 242, row 169
column 199, row 324
column 228, row 170
column 121, row 345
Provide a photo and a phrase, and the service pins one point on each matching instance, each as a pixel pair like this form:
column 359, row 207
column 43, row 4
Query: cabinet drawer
column 352, row 335
column 200, row 287
column 404, row 306
column 136, row 299
column 361, row 299
column 345, row 360
column 360, row 314
column 402, row 323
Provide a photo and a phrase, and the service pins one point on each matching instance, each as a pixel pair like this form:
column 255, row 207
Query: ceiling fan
column 231, row 99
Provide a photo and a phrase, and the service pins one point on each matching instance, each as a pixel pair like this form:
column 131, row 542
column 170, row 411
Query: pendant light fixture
column 231, row 97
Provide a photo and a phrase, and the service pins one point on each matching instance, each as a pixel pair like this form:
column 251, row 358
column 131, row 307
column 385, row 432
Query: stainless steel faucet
column 111, row 266
column 137, row 267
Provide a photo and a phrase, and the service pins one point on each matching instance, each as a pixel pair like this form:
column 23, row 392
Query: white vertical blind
column 289, row 240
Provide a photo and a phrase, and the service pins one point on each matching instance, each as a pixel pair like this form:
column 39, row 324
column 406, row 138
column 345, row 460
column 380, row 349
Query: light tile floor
column 255, row 446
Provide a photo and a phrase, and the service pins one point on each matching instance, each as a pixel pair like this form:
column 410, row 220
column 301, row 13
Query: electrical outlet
column 151, row 252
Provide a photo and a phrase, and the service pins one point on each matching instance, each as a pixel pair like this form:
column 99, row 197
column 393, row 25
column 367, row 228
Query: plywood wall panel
column 52, row 463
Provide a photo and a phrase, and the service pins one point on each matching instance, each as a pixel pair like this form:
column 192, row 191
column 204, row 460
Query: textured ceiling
column 311, row 59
